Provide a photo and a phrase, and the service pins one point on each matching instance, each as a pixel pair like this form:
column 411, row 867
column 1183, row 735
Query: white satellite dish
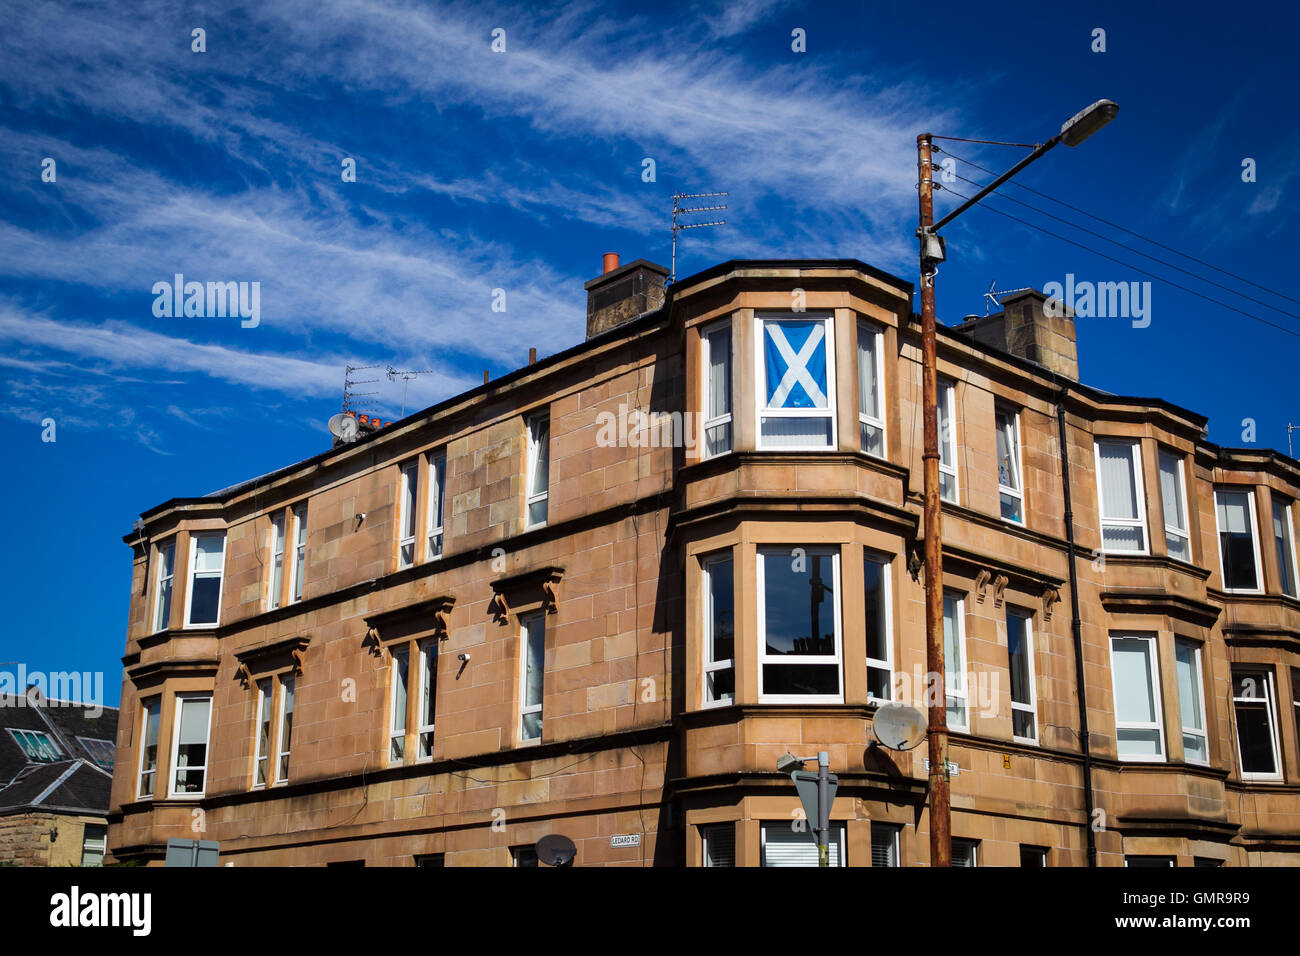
column 898, row 726
column 343, row 427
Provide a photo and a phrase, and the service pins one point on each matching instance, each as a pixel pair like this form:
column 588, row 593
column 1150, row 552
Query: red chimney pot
column 611, row 263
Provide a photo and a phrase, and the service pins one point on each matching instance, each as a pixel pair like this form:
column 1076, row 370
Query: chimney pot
column 610, row 263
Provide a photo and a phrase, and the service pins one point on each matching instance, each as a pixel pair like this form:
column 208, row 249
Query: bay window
column 1284, row 540
column 871, row 411
column 1253, row 704
column 1234, row 513
column 1120, row 498
column 190, row 744
column 719, row 630
column 1173, row 499
column 716, row 356
column 880, row 639
column 1010, row 483
column 1191, row 702
column 207, row 564
column 799, row 639
column 1135, row 677
column 795, row 373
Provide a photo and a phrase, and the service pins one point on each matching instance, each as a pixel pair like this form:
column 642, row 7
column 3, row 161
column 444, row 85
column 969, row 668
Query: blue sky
column 479, row 170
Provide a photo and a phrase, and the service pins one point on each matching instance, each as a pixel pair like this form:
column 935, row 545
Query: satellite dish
column 343, row 427
column 556, row 850
column 898, row 726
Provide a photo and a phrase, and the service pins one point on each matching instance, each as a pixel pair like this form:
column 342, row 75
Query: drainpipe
column 1076, row 629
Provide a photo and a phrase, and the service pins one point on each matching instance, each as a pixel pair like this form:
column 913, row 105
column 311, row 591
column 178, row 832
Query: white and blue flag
column 795, row 356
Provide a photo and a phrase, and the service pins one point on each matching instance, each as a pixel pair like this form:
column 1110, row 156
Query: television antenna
column 993, row 295
column 394, row 374
column 679, row 210
column 1289, row 429
column 350, row 396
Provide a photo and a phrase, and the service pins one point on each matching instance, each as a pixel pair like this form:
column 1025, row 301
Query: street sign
column 806, row 785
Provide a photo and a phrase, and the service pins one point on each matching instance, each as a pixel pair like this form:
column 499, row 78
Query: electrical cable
column 1114, row 225
column 1127, row 265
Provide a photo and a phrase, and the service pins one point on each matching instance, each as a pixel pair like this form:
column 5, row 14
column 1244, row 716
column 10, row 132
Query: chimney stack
column 1028, row 330
column 623, row 293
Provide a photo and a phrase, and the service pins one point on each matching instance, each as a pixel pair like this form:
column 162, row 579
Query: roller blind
column 783, row 846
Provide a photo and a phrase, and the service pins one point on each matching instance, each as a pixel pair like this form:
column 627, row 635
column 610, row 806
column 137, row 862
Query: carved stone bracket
column 999, row 585
column 424, row 617
column 267, row 658
column 1051, row 596
column 981, row 582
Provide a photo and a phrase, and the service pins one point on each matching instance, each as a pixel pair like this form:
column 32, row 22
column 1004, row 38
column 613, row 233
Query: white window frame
column 140, row 792
column 1249, row 492
column 711, row 667
column 220, row 575
column 437, row 504
column 1198, row 679
column 298, row 569
column 962, row 695
column 274, row 585
column 526, row 624
column 166, row 576
column 837, row 851
column 1290, row 540
column 876, row 421
column 1140, row 499
column 283, row 740
column 1274, row 730
column 95, row 845
column 948, row 407
column 398, row 668
column 1030, row 708
column 886, row 585
column 1013, row 442
column 407, row 508
column 174, row 768
column 423, row 729
column 727, row 417
column 784, row 553
column 761, row 410
column 534, row 496
column 1153, row 658
column 264, row 718
column 1164, row 455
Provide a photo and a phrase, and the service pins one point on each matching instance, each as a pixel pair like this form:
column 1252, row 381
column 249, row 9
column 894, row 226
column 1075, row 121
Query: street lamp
column 1073, row 132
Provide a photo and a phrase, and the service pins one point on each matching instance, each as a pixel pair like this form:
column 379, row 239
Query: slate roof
column 75, row 783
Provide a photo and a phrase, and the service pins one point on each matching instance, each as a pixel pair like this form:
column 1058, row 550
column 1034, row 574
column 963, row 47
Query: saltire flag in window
column 795, row 358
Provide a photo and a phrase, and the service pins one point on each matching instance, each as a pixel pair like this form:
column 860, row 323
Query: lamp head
column 1087, row 121
column 788, row 763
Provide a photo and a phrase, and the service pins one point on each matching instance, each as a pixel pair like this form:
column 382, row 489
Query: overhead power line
column 1125, row 229
column 1128, row 265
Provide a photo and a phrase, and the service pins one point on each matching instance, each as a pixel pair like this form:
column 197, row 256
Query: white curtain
column 1118, row 493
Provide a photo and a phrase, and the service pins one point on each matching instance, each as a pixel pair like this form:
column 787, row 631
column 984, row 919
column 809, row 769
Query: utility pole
column 1289, row 429
column 936, row 689
column 1073, row 132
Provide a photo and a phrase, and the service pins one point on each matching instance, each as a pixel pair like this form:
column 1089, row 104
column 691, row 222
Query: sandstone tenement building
column 522, row 611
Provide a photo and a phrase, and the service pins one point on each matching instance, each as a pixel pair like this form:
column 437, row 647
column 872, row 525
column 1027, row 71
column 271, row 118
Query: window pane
column 1018, row 650
column 1008, row 468
column 1285, row 548
column 1118, row 490
column 964, row 852
column 534, row 665
column 1189, row 685
column 541, row 434
column 947, row 487
column 954, row 676
column 799, row 596
column 785, row 846
column 884, row 844
column 868, row 387
column 947, row 426
column 209, row 550
column 721, row 599
column 1255, row 738
column 795, row 363
column 820, row 679
column 720, row 844
column 401, row 659
column 796, row 432
column 1134, row 702
column 286, row 728
column 263, row 730
column 1171, row 490
column 877, row 637
column 719, row 373
column 872, row 438
column 192, row 744
column 717, row 439
column 1236, row 540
